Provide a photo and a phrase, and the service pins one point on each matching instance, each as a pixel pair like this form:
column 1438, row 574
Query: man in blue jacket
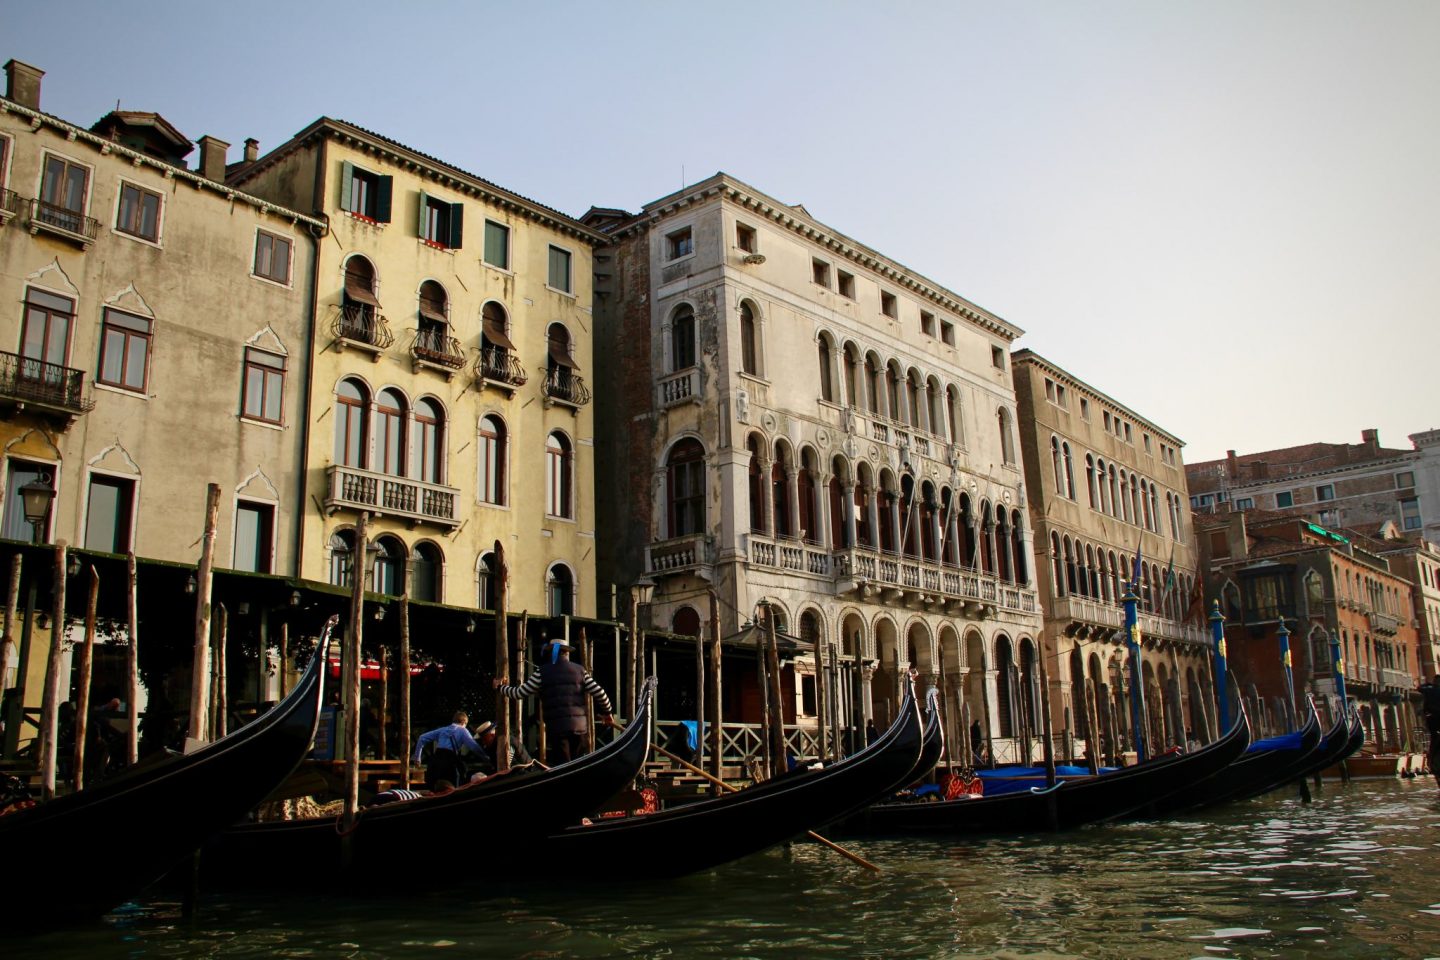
column 447, row 762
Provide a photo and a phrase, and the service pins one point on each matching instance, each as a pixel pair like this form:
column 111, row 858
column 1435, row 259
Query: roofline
column 737, row 191
column 408, row 156
column 1405, row 456
column 72, row 132
column 1027, row 355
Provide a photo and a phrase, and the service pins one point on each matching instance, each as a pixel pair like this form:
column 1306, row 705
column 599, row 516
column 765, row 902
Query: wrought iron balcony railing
column 47, row 385
column 360, row 324
column 563, row 386
column 437, row 348
column 9, row 204
column 71, row 224
column 498, row 365
column 415, row 500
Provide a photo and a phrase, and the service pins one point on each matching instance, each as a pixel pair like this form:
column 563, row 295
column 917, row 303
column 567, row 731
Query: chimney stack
column 252, row 150
column 1371, row 439
column 212, row 158
column 22, row 84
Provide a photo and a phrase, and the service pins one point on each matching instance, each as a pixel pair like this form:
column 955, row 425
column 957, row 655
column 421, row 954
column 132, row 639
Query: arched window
column 1114, row 495
column 497, row 360
column 359, row 304
column 491, row 455
column 1154, row 509
column 808, row 518
column 780, row 496
column 685, row 480
column 1069, row 471
column 1007, row 441
column 1124, row 513
column 559, row 497
column 952, row 410
column 390, row 433
column 560, row 380
column 912, row 398
column 686, row 622
column 872, row 384
column 749, row 341
column 352, row 406
column 892, row 393
column 561, row 590
column 757, row 488
column 827, row 380
column 389, row 576
column 852, row 365
column 342, row 556
column 934, row 422
column 427, row 451
column 682, row 339
column 425, row 572
column 487, row 582
column 1057, row 568
column 1090, row 478
column 1055, row 465
column 433, row 337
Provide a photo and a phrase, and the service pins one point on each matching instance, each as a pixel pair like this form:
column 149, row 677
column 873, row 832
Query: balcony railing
column 679, row 554
column 677, row 388
column 9, row 204
column 439, row 349
column 71, row 224
column 361, row 325
column 356, row 489
column 1383, row 622
column 46, row 385
column 563, row 386
column 499, row 366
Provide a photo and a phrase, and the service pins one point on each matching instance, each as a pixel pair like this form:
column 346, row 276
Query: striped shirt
column 531, row 686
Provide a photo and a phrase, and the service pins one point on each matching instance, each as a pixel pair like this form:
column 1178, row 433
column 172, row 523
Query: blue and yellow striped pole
column 1137, row 681
column 1282, row 633
column 1222, row 693
column 1339, row 666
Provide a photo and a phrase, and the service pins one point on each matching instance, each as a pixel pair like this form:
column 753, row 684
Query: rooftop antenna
column 682, row 176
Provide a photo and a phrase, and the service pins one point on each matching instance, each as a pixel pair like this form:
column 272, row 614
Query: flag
column 1169, row 583
column 1135, row 574
column 1195, row 610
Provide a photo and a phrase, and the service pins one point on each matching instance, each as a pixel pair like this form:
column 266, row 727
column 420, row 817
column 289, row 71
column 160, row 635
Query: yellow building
column 448, row 397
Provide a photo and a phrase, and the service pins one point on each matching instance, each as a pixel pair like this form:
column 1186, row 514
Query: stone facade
column 1104, row 483
column 790, row 407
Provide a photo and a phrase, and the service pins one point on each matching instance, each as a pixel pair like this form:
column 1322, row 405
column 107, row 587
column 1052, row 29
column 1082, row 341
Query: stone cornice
column 1028, row 356
column 104, row 145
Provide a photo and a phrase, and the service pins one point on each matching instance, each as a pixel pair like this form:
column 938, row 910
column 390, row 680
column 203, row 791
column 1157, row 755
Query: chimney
column 1232, row 466
column 252, row 150
column 212, row 158
column 22, row 84
column 1371, row 439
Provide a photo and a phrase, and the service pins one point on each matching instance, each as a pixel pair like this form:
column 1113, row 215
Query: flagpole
column 1222, row 693
column 1339, row 668
column 1282, row 633
column 1137, row 685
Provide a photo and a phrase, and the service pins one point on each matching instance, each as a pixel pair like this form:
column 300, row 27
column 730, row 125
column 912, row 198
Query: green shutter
column 457, row 225
column 382, row 199
column 347, row 177
column 424, row 210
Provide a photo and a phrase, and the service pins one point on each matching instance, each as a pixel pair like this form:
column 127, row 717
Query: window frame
column 744, row 230
column 552, row 249
column 1289, row 495
column 441, row 223
column 266, row 371
column 115, row 224
column 1400, row 485
column 289, row 257
column 1320, row 497
column 947, row 332
column 485, row 245
column 379, row 194
column 45, row 156
column 997, row 357
column 146, row 336
column 559, row 477
column 889, row 305
column 499, row 444
column 117, row 481
column 820, row 272
column 680, row 244
column 266, row 509
column 845, row 283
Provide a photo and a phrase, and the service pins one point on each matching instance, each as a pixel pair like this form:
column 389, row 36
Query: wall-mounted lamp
column 295, row 599
column 379, row 613
column 242, row 609
column 190, row 584
column 73, row 567
column 470, row 625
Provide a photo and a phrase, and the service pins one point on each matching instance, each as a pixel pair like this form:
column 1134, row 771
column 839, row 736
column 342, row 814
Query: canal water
column 1354, row 874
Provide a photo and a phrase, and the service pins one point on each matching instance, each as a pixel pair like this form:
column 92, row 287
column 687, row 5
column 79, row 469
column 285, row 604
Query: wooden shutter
column 347, row 177
column 424, row 218
column 382, row 199
column 457, row 224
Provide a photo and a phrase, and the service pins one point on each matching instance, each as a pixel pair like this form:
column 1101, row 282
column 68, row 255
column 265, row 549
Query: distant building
column 1355, row 485
column 802, row 420
column 1418, row 561
column 1324, row 585
column 1104, row 483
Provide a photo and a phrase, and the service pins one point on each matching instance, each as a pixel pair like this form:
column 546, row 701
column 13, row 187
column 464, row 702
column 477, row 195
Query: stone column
column 767, row 496
column 792, row 493
column 899, row 534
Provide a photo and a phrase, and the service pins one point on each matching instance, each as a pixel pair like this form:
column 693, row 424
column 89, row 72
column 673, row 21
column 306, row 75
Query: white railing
column 353, row 488
column 682, row 387
column 679, row 553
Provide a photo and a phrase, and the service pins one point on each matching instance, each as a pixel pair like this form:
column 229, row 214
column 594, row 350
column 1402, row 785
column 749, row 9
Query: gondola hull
column 707, row 833
column 1065, row 806
column 501, row 816
column 1257, row 772
column 80, row 855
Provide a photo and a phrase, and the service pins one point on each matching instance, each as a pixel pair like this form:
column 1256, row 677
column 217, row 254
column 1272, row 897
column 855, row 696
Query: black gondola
column 1066, row 805
column 1344, row 738
column 80, row 855
column 503, row 815
column 700, row 835
column 1260, row 770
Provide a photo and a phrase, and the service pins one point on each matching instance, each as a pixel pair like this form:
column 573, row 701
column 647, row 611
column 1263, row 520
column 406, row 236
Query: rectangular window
column 679, row 244
column 497, row 244
column 845, row 283
column 254, row 536
column 1329, row 518
column 560, row 270
column 45, row 335
column 1084, row 409
column 997, row 357
column 441, row 223
column 746, row 238
column 272, row 257
column 63, row 194
column 1410, row 514
column 139, row 213
column 927, row 323
column 888, row 305
column 947, row 332
column 108, row 512
column 1127, row 434
column 1049, row 389
column 264, row 386
column 1244, row 503
column 365, row 194
column 1107, row 421
column 16, row 526
column 124, row 350
column 1404, row 481
column 1326, row 491
column 820, row 273
column 1060, row 397
column 1146, row 438
column 1284, row 499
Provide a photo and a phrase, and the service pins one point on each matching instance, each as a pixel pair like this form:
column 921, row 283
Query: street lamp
column 640, row 593
column 36, row 497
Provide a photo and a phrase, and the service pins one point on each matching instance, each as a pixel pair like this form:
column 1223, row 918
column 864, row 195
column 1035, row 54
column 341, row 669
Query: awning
column 431, row 310
column 560, row 353
column 358, row 289
column 494, row 329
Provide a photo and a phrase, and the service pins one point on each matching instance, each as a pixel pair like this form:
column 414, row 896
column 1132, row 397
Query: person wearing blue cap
column 563, row 687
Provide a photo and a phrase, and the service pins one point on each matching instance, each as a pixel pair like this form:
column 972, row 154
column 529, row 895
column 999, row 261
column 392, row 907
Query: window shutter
column 424, row 210
column 382, row 199
column 347, row 177
column 457, row 225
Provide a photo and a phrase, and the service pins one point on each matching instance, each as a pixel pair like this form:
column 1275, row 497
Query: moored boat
column 1266, row 765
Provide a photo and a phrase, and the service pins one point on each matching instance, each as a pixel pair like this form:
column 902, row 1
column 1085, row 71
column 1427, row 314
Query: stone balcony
column 1087, row 617
column 678, row 388
column 1383, row 622
column 351, row 488
column 694, row 553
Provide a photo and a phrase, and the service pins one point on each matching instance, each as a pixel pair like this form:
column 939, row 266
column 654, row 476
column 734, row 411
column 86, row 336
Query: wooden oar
column 811, row 833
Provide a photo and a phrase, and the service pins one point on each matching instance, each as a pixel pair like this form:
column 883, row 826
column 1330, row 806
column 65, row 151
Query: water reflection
column 1352, row 874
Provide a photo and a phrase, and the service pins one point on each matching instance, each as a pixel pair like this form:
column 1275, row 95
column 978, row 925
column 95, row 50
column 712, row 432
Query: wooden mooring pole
column 50, row 701
column 84, row 670
column 132, row 661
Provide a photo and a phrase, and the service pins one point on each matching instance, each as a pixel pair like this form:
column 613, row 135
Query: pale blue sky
column 1226, row 215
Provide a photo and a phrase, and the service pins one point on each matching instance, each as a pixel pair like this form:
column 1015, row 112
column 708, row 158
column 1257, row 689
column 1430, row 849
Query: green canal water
column 1354, row 874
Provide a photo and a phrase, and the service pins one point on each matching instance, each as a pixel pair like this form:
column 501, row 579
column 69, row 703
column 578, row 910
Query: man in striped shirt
column 563, row 687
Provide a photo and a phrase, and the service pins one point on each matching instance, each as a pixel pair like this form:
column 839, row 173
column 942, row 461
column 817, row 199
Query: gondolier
column 563, row 687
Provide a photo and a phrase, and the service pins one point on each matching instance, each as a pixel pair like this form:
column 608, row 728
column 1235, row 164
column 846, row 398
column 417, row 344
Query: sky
column 1225, row 215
